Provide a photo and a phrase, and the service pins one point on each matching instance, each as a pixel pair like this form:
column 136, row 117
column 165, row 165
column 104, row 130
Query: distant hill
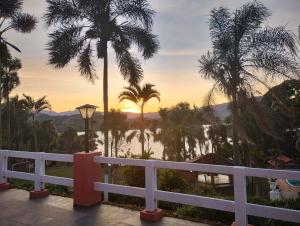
column 221, row 110
column 62, row 120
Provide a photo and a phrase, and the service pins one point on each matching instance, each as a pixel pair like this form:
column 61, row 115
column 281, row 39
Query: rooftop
column 18, row 210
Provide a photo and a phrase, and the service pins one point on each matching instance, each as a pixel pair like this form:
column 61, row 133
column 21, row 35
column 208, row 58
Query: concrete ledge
column 6, row 186
column 151, row 216
column 38, row 194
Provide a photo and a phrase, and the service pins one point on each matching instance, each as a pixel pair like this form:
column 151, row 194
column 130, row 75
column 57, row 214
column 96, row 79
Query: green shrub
column 134, row 176
column 171, row 180
column 198, row 213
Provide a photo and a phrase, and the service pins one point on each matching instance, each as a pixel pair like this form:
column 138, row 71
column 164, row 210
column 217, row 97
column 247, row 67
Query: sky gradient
column 182, row 29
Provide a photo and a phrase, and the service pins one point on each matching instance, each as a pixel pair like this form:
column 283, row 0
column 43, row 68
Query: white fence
column 240, row 207
column 39, row 177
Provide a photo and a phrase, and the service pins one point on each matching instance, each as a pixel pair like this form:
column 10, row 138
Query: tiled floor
column 17, row 210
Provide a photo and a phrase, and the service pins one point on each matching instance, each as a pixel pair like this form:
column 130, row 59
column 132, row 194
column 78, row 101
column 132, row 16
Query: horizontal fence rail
column 39, row 177
column 239, row 206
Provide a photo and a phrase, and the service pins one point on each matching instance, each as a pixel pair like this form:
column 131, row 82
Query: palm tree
column 33, row 107
column 140, row 95
column 10, row 80
column 87, row 26
column 118, row 126
column 245, row 52
column 12, row 18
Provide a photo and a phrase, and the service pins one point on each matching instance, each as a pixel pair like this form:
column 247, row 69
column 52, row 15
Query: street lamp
column 86, row 112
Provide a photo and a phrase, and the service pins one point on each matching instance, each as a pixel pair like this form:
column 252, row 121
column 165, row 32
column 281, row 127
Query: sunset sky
column 182, row 29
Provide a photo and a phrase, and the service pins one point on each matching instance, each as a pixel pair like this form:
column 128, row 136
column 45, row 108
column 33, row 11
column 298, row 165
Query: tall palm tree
column 12, row 18
column 244, row 51
column 10, row 80
column 33, row 107
column 87, row 27
column 140, row 95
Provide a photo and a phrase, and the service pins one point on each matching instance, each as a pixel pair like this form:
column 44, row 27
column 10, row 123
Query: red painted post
column 85, row 173
column 6, row 186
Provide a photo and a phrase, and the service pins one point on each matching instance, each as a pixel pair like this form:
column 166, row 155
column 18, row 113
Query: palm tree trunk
column 234, row 130
column 142, row 130
column 8, row 123
column 35, row 135
column 105, row 101
column 116, row 146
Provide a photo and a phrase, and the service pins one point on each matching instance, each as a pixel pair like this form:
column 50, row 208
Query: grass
column 60, row 171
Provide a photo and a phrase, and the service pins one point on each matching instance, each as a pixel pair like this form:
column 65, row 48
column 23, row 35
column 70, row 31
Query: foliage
column 33, row 107
column 117, row 124
column 180, row 125
column 12, row 18
column 84, row 29
column 287, row 203
column 245, row 52
column 171, row 180
column 134, row 176
column 140, row 95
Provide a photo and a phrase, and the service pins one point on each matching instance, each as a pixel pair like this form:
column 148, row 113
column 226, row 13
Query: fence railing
column 239, row 206
column 39, row 177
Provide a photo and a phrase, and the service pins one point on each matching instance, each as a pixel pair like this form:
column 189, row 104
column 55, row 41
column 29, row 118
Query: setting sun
column 127, row 106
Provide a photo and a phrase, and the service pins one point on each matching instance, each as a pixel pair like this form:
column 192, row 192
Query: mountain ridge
column 221, row 110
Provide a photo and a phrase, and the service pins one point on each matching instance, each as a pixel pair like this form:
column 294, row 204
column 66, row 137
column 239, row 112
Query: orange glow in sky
column 183, row 32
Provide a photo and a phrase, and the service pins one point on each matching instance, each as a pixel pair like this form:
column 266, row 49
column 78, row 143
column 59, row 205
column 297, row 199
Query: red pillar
column 85, row 173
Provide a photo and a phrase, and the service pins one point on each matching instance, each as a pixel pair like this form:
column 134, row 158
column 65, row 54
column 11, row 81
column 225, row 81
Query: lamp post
column 86, row 112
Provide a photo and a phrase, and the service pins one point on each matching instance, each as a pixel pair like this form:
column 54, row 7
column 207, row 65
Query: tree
column 140, row 95
column 33, row 107
column 48, row 136
column 87, row 26
column 245, row 52
column 118, row 126
column 10, row 80
column 12, row 18
column 178, row 126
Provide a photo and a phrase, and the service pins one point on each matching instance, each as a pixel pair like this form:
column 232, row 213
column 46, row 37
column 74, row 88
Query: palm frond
column 145, row 40
column 61, row 11
column 136, row 10
column 23, row 22
column 248, row 18
column 131, row 136
column 65, row 44
column 129, row 66
column 9, row 7
column 126, row 95
column 86, row 66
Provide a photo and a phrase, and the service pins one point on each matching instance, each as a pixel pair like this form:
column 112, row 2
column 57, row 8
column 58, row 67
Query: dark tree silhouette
column 87, row 27
column 10, row 80
column 244, row 51
column 33, row 107
column 12, row 18
column 140, row 95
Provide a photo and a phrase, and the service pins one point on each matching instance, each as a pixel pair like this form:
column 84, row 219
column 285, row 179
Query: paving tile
column 18, row 210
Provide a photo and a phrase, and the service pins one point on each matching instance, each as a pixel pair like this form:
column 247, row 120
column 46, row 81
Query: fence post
column 85, row 173
column 39, row 172
column 151, row 212
column 106, row 193
column 240, row 196
column 3, row 168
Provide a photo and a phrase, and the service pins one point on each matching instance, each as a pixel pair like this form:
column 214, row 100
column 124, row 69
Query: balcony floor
column 17, row 210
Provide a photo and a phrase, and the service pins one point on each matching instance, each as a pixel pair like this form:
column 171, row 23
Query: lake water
column 134, row 146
